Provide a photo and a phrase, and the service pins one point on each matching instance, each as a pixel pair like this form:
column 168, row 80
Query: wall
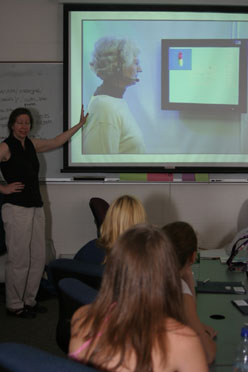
column 215, row 210
column 32, row 31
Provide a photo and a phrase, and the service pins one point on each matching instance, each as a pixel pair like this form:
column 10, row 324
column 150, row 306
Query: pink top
column 74, row 354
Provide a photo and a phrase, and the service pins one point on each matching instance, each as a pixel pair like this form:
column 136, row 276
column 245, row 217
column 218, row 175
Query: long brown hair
column 140, row 288
column 183, row 238
column 123, row 213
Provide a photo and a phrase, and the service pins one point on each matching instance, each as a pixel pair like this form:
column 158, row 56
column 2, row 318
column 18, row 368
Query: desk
column 220, row 304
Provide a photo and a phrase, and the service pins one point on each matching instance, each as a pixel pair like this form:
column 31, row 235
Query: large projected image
column 158, row 93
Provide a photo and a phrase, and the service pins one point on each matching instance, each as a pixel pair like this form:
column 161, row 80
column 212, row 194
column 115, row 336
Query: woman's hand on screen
column 83, row 117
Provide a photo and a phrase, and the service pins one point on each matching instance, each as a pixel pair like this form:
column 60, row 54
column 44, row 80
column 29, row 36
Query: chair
column 24, row 358
column 72, row 294
column 91, row 253
column 99, row 209
column 88, row 273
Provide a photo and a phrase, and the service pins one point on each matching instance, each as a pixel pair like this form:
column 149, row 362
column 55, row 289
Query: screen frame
column 137, row 168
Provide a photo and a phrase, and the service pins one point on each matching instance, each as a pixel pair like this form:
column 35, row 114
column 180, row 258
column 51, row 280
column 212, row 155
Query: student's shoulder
column 179, row 330
column 79, row 314
column 184, row 350
column 184, row 341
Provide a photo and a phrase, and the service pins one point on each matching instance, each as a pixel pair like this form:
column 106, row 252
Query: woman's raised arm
column 43, row 145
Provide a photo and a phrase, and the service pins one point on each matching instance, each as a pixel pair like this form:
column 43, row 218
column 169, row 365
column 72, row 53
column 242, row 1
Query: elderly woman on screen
column 111, row 128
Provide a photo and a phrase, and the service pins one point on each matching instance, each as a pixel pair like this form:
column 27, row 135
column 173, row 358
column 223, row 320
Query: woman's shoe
column 36, row 308
column 23, row 313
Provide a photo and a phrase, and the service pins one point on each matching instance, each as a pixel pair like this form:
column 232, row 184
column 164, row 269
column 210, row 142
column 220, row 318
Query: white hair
column 111, row 55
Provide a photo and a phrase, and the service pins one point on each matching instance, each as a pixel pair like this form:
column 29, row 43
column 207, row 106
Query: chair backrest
column 99, row 209
column 72, row 294
column 77, row 292
column 91, row 253
column 23, row 358
column 91, row 274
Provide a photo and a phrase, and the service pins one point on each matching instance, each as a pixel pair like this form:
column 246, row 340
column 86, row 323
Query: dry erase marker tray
column 220, row 287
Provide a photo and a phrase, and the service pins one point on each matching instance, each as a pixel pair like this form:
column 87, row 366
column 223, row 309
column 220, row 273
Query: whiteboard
column 38, row 87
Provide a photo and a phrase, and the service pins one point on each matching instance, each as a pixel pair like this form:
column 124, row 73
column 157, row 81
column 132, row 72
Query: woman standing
column 22, row 211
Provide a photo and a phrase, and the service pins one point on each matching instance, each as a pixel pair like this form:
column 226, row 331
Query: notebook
column 220, row 287
column 242, row 305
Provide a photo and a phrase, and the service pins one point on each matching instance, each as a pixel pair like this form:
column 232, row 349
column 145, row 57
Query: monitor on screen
column 165, row 88
column 204, row 74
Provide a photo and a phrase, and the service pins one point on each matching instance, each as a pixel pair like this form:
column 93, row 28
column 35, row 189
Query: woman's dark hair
column 183, row 238
column 140, row 288
column 17, row 112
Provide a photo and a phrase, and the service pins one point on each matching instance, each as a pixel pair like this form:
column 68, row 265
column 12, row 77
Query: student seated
column 124, row 212
column 184, row 241
column 132, row 325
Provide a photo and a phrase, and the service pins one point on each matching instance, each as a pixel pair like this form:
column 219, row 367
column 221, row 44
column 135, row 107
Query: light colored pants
column 26, row 253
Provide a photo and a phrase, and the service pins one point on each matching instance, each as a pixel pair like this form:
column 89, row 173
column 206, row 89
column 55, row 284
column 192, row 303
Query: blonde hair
column 123, row 213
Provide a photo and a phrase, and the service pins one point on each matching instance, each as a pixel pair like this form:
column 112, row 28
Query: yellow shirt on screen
column 111, row 128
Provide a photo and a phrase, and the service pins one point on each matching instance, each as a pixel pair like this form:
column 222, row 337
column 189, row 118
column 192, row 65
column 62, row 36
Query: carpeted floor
column 39, row 332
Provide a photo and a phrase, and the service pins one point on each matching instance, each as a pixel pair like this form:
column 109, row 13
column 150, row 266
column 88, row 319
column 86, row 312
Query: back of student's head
column 183, row 238
column 140, row 288
column 141, row 269
column 123, row 213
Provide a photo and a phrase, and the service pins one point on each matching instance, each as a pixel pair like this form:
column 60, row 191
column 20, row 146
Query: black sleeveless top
column 23, row 166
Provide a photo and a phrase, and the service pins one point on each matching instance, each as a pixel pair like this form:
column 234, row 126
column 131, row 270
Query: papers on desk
column 215, row 254
column 222, row 254
column 242, row 305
